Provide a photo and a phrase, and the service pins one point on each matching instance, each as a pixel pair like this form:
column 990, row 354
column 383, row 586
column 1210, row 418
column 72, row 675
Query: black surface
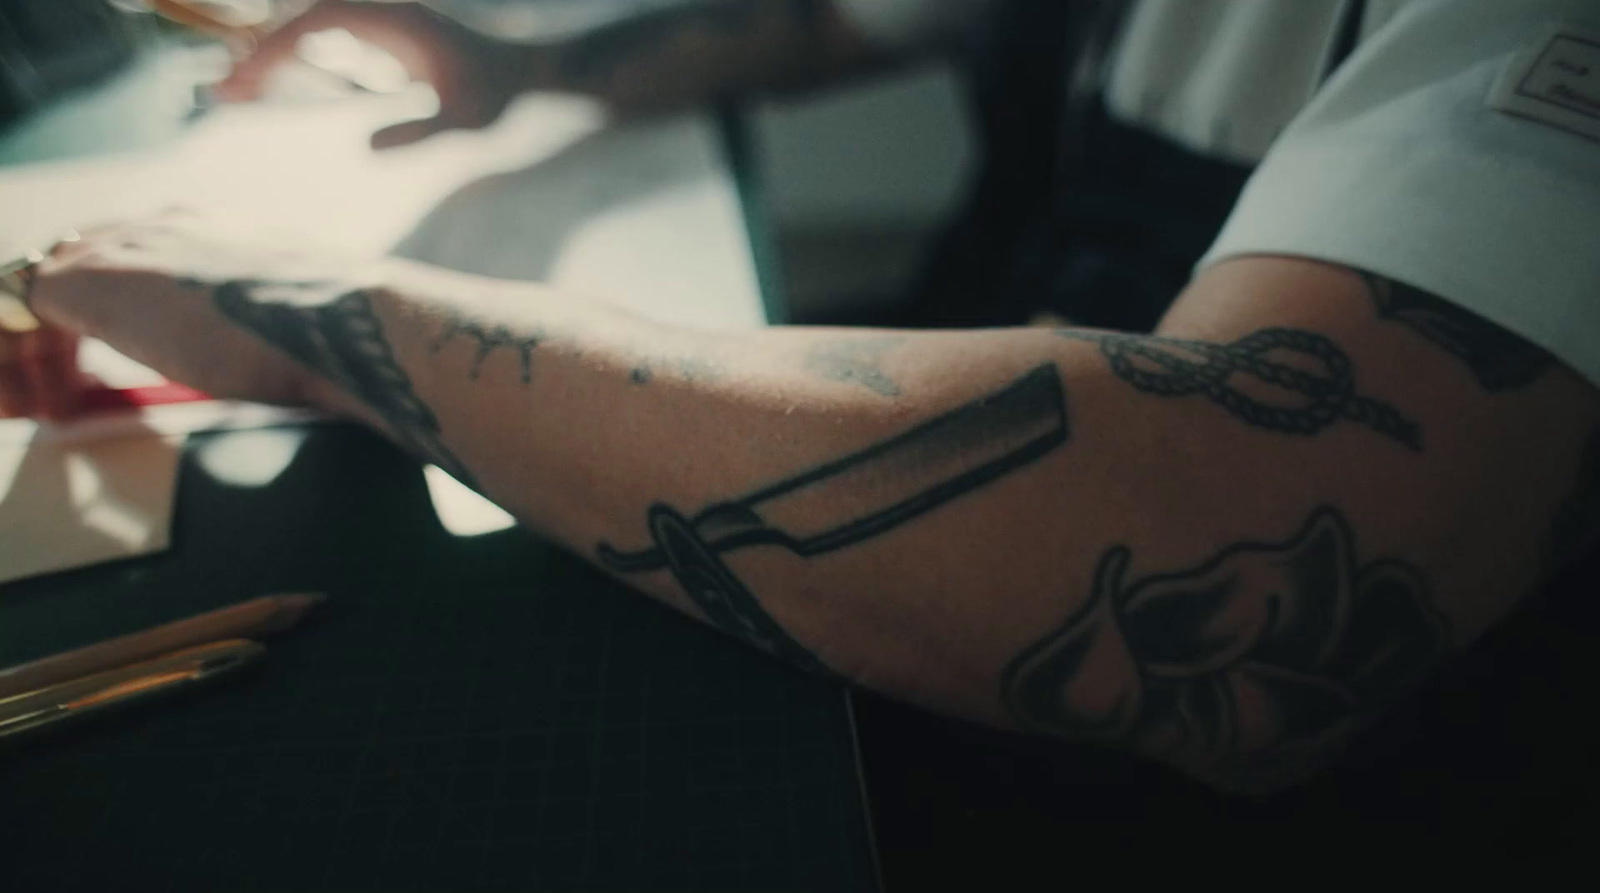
column 467, row 714
column 1492, row 767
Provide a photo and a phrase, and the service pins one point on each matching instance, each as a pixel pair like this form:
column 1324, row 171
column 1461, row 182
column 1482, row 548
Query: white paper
column 67, row 505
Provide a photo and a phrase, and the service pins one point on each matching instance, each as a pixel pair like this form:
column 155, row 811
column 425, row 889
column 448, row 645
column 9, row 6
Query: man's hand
column 39, row 373
column 660, row 60
column 475, row 77
column 145, row 288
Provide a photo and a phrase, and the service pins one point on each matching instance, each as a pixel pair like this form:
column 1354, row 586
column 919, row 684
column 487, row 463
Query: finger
column 19, row 352
column 50, row 370
column 249, row 74
column 71, row 246
column 57, row 386
column 407, row 132
column 17, row 346
column 15, row 401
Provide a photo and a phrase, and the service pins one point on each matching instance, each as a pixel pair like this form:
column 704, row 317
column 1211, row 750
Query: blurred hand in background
column 475, row 76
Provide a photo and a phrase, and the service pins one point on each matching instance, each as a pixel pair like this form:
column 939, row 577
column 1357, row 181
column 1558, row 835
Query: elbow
column 1234, row 673
column 1282, row 741
column 1257, row 773
column 1279, row 766
column 1250, row 729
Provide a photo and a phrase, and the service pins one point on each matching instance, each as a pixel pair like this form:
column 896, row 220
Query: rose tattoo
column 1259, row 657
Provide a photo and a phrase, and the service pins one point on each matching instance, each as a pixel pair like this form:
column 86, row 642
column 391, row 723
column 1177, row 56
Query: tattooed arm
column 1224, row 546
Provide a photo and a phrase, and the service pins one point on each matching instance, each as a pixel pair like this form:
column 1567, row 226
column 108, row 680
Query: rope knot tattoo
column 1324, row 387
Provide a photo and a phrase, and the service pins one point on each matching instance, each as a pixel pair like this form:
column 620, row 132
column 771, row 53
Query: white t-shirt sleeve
column 912, row 23
column 1457, row 151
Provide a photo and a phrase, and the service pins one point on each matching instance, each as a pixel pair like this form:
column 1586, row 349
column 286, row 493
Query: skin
column 938, row 609
column 1207, row 547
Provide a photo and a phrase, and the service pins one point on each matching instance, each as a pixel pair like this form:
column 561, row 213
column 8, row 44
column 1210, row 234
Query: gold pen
column 253, row 619
column 149, row 679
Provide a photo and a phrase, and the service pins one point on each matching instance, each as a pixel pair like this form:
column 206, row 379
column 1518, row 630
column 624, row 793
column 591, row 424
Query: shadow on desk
column 514, row 225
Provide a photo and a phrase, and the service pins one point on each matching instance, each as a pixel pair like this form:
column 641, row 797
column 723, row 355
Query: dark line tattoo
column 1308, row 369
column 855, row 361
column 336, row 334
column 1498, row 359
column 488, row 340
column 1247, row 669
column 847, row 501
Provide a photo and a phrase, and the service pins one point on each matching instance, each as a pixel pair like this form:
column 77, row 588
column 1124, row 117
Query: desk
column 470, row 712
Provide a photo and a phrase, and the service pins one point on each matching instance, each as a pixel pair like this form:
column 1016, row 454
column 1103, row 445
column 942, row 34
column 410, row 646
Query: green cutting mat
column 466, row 714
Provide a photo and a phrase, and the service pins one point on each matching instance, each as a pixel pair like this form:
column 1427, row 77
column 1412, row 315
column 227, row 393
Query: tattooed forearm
column 336, row 334
column 595, row 57
column 1247, row 669
column 488, row 339
column 855, row 361
column 1286, row 380
column 1498, row 359
column 848, row 501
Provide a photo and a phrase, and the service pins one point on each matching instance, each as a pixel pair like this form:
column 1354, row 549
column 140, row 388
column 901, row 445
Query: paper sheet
column 101, row 487
column 65, row 505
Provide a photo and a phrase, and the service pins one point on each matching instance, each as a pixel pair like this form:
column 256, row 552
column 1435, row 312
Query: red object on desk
column 104, row 399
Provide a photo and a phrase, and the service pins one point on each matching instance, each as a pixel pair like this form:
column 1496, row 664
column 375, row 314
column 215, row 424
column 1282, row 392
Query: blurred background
column 854, row 182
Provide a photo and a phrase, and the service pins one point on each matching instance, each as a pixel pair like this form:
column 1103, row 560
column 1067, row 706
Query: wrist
column 328, row 387
column 314, row 392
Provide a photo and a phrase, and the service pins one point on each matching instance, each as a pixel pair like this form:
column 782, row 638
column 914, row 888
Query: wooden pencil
column 246, row 620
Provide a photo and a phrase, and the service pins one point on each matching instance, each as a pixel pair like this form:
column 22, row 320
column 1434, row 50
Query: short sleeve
column 911, row 23
column 1411, row 163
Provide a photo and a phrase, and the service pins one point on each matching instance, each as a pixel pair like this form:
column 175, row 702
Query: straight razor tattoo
column 847, row 501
